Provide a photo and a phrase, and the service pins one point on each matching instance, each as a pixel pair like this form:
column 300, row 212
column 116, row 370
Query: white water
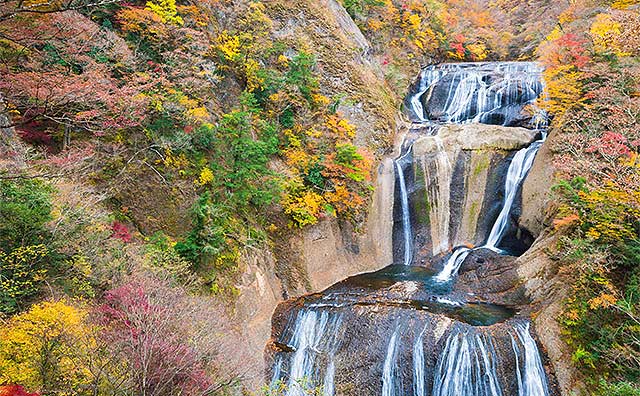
column 390, row 368
column 428, row 77
column 453, row 264
column 532, row 379
column 418, row 365
column 467, row 367
column 315, row 333
column 518, row 169
column 479, row 92
column 406, row 217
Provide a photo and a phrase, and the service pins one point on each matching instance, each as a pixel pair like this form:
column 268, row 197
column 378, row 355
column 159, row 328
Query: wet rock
column 491, row 277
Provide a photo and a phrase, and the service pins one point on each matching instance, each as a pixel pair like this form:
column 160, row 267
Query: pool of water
column 409, row 287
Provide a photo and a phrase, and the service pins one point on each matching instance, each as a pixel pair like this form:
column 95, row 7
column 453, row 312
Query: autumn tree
column 40, row 349
column 169, row 342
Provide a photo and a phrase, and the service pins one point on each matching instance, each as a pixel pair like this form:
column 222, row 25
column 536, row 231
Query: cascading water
column 404, row 203
column 518, row 169
column 389, row 370
column 467, row 367
column 418, row 365
column 492, row 93
column 315, row 336
column 532, row 380
column 348, row 340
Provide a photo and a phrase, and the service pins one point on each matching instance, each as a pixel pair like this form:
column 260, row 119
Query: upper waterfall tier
column 488, row 93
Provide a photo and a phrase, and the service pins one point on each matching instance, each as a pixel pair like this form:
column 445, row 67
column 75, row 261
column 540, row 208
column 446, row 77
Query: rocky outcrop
column 537, row 198
column 475, row 137
column 331, row 251
column 457, row 188
column 546, row 287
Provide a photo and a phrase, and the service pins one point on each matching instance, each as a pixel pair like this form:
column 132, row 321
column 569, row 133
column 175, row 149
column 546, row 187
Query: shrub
column 25, row 208
column 21, row 274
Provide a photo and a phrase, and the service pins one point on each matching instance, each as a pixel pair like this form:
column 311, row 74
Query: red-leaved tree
column 170, row 341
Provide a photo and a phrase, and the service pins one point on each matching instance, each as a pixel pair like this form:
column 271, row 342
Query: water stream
column 518, row 169
column 404, row 203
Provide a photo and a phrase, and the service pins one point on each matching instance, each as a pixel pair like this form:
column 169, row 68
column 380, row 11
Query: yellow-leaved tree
column 41, row 349
column 166, row 10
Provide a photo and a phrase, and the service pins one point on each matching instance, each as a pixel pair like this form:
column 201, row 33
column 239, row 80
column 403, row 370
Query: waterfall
column 492, row 93
column 418, row 365
column 453, row 264
column 532, row 379
column 428, row 77
column 315, row 334
column 390, row 368
column 518, row 169
column 406, row 217
column 457, row 350
column 467, row 367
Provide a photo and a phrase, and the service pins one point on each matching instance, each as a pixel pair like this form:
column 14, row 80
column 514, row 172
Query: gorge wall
column 452, row 315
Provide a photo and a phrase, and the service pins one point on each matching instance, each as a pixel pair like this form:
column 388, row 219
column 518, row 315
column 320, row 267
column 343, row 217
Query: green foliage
column 25, row 208
column 300, row 74
column 357, row 7
column 238, row 185
column 162, row 258
column 314, row 175
column 21, row 274
column 618, row 389
column 347, row 154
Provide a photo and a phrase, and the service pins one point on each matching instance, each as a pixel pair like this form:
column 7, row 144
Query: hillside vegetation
column 146, row 147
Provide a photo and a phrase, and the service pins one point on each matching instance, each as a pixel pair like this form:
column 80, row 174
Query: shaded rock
column 492, row 278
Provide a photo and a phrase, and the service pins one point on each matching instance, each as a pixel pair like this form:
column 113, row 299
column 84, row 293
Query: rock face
column 329, row 251
column 392, row 332
column 342, row 54
column 536, row 190
column 546, row 288
column 456, row 184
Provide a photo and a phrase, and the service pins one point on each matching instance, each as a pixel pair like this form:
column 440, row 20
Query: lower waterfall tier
column 398, row 331
column 384, row 351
